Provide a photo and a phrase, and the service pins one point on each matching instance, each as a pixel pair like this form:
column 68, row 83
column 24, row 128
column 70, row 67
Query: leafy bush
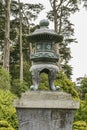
column 15, row 72
column 44, row 85
column 4, row 125
column 83, row 87
column 19, row 87
column 66, row 84
column 27, row 74
column 7, row 111
column 81, row 113
column 4, row 79
column 79, row 125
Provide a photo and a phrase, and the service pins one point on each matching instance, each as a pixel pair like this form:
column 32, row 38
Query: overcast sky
column 79, row 50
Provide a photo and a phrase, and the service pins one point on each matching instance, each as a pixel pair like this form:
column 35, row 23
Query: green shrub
column 66, row 84
column 79, row 125
column 4, row 79
column 19, row 87
column 44, row 85
column 7, row 111
column 4, row 125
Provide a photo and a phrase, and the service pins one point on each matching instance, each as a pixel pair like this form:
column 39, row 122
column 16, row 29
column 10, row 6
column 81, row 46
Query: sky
column 78, row 50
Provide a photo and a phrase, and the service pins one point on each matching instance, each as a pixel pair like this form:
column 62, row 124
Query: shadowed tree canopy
column 60, row 14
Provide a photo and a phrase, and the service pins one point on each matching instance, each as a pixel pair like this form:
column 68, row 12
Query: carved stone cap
column 44, row 34
column 46, row 99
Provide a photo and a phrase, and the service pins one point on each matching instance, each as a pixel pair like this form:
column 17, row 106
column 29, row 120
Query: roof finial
column 44, row 22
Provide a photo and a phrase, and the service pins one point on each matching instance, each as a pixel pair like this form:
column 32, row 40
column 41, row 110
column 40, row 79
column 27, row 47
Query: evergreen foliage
column 66, row 84
column 4, row 125
column 7, row 111
column 68, row 70
column 60, row 14
column 81, row 113
column 5, row 79
column 83, row 87
column 44, row 85
column 80, row 125
column 62, row 81
column 19, row 87
column 27, row 73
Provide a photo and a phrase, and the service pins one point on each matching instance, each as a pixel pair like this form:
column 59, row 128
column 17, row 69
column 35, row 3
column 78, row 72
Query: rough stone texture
column 46, row 111
column 46, row 99
column 45, row 119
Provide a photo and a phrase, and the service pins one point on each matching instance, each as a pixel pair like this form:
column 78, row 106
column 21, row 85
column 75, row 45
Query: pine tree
column 60, row 14
column 6, row 55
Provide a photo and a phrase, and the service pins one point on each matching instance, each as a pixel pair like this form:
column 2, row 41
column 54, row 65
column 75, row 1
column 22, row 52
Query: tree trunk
column 20, row 42
column 56, row 47
column 30, row 45
column 55, row 16
column 6, row 55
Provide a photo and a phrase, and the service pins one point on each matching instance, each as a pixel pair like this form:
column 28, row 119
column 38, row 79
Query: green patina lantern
column 44, row 56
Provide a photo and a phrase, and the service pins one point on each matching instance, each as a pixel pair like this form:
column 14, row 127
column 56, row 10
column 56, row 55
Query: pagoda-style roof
column 44, row 34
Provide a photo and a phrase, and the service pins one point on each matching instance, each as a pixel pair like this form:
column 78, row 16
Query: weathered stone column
column 46, row 110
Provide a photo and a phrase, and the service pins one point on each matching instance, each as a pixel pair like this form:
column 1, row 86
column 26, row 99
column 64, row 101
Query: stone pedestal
column 45, row 110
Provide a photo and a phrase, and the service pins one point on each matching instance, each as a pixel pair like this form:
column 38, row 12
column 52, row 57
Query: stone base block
column 45, row 111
